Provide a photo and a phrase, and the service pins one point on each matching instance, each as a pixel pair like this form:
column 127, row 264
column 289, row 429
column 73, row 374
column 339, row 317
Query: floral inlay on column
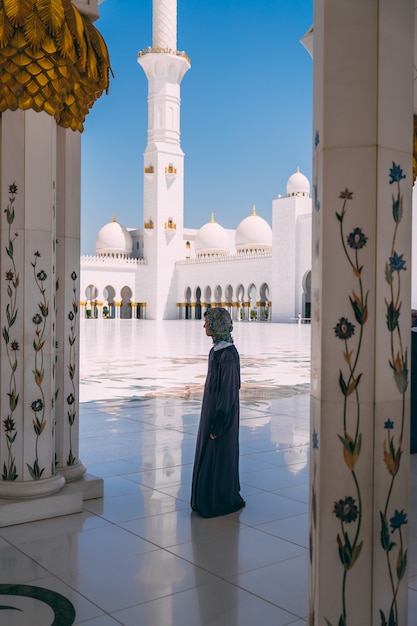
column 348, row 510
column 72, row 405
column 316, row 177
column 313, row 527
column 38, row 405
column 392, row 521
column 12, row 346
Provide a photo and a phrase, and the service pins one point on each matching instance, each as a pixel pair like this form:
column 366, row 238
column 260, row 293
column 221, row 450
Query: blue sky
column 246, row 111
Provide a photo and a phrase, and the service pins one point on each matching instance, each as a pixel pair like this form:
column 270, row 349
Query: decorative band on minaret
column 164, row 24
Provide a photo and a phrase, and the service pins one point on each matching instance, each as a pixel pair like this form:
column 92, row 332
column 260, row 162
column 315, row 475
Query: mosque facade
column 259, row 273
column 164, row 270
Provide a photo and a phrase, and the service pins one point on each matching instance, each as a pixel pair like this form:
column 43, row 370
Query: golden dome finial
column 212, row 218
column 114, row 218
column 253, row 209
column 52, row 59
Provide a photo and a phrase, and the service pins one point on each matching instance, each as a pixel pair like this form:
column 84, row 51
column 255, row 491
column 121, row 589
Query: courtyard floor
column 139, row 556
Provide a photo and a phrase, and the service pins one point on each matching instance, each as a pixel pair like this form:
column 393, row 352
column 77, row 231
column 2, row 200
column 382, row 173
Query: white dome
column 298, row 184
column 211, row 239
column 114, row 239
column 253, row 234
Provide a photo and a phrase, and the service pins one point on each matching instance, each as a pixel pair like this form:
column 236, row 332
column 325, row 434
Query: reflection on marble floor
column 139, row 556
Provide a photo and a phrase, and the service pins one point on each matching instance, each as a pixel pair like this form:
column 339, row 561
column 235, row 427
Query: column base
column 90, row 487
column 16, row 490
column 65, row 502
column 73, row 472
column 68, row 500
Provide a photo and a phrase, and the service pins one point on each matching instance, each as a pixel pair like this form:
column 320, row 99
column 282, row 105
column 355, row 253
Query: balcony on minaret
column 149, row 171
column 170, row 170
column 152, row 50
column 170, row 224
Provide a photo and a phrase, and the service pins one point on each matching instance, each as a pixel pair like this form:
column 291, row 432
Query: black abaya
column 215, row 486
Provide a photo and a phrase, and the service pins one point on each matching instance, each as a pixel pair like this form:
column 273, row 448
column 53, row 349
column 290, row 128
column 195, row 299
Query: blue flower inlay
column 396, row 173
column 397, row 262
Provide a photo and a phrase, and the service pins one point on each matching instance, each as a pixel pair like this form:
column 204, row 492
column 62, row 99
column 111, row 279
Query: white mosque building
column 167, row 271
column 257, row 272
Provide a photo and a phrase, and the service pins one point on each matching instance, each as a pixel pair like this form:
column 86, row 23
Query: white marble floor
column 139, row 557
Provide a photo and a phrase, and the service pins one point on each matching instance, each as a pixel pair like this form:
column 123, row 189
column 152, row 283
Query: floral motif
column 38, row 405
column 396, row 555
column 344, row 329
column 41, row 275
column 9, row 471
column 349, row 510
column 399, row 519
column 71, row 398
column 396, row 263
column 346, row 194
column 346, row 510
column 9, row 425
column 396, row 174
column 356, row 239
column 315, row 185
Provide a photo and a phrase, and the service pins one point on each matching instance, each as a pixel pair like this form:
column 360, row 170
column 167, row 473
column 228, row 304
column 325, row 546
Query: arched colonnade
column 111, row 304
column 250, row 303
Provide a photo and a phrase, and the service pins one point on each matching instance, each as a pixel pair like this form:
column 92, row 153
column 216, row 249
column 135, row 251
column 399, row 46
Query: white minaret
column 164, row 67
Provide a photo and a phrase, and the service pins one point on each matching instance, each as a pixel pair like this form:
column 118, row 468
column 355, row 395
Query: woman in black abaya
column 215, row 487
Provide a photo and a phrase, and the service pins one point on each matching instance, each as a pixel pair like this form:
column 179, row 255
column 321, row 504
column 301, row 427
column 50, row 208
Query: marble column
column 362, row 181
column 28, row 305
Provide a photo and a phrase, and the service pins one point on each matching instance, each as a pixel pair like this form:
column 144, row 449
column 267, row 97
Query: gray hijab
column 220, row 324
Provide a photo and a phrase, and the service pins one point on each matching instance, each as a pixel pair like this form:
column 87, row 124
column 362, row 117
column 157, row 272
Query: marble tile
column 128, row 507
column 17, row 568
column 219, row 604
column 178, row 527
column 136, row 579
column 266, row 507
column 285, row 594
column 294, row 529
column 84, row 609
column 105, row 620
column 275, row 478
column 101, row 546
column 55, row 527
column 236, row 550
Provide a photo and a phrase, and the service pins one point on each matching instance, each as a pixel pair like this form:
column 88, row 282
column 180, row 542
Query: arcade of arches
column 245, row 303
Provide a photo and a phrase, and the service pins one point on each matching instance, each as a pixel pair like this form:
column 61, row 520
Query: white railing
column 109, row 260
column 262, row 254
column 149, row 50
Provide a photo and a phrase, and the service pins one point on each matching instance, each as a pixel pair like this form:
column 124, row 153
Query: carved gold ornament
column 52, row 59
